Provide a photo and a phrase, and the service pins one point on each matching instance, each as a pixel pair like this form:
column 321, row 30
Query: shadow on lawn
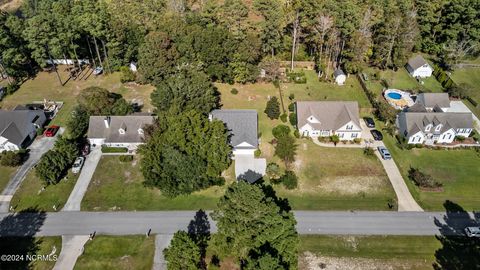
column 17, row 238
column 458, row 251
column 199, row 231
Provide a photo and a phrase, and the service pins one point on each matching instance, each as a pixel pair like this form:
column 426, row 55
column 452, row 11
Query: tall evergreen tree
column 273, row 108
column 182, row 253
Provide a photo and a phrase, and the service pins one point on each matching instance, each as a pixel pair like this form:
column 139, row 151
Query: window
column 341, row 135
column 350, row 127
column 428, row 127
column 437, row 128
column 354, row 135
column 140, row 131
column 121, row 131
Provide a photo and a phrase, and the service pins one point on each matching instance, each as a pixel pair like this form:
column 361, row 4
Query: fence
column 67, row 61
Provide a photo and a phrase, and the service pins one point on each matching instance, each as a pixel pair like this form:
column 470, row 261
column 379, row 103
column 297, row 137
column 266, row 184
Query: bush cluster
column 125, row 158
column 422, row 179
column 12, row 158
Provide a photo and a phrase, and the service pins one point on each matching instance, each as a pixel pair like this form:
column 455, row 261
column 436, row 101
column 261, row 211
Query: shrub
column 335, row 139
column 293, row 118
column 12, row 88
column 368, row 151
column 296, row 133
column 257, row 153
column 289, row 180
column 273, row 171
column 291, row 96
column 460, row 138
column 106, row 149
column 344, row 141
column 273, row 108
column 234, row 91
column 280, row 131
column 127, row 75
column 297, row 77
column 283, row 117
column 421, row 179
column 291, row 107
column 357, row 140
column 40, row 131
column 125, row 158
column 11, row 158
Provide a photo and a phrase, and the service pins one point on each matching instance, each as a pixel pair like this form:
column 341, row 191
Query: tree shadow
column 199, row 231
column 281, row 202
column 458, row 251
column 17, row 238
column 250, row 176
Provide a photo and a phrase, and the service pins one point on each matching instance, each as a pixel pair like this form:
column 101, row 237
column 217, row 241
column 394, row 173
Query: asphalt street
column 168, row 222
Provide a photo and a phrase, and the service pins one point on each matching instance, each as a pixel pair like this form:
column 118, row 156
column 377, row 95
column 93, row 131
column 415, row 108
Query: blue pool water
column 394, row 95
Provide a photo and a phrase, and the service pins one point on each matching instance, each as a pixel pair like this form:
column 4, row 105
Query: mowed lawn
column 471, row 78
column 457, row 170
column 368, row 252
column 29, row 194
column 5, row 174
column 117, row 253
column 119, row 186
column 46, row 86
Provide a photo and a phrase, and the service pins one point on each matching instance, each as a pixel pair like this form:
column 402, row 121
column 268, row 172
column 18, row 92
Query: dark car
column 369, row 121
column 86, row 149
column 377, row 135
column 51, row 131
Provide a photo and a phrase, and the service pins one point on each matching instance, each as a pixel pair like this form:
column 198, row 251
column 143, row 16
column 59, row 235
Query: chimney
column 107, row 121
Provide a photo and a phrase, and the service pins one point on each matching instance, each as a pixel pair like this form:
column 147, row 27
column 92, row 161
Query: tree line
column 228, row 39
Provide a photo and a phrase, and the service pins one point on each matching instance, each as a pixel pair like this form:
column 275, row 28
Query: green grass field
column 374, row 252
column 457, row 170
column 5, row 174
column 46, row 86
column 471, row 78
column 117, row 253
column 29, row 196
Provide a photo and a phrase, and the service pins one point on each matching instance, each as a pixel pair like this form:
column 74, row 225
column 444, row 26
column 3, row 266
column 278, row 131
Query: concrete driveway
column 39, row 147
column 459, row 106
column 404, row 198
column 91, row 162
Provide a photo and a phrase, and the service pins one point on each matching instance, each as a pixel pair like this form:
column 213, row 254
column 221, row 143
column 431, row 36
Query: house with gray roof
column 418, row 67
column 242, row 126
column 327, row 118
column 118, row 131
column 18, row 128
column 439, row 102
column 434, row 127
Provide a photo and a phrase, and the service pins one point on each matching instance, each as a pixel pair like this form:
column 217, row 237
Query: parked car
column 86, row 149
column 472, row 231
column 51, row 131
column 78, row 164
column 369, row 121
column 384, row 152
column 377, row 135
column 98, row 71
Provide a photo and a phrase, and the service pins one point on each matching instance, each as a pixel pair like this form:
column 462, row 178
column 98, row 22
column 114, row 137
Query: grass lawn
column 376, row 252
column 46, row 86
column 470, row 77
column 5, row 174
column 117, row 252
column 457, row 170
column 118, row 186
column 24, row 246
column 29, row 196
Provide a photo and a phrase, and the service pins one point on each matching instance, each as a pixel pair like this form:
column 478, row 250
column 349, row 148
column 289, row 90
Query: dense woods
column 228, row 39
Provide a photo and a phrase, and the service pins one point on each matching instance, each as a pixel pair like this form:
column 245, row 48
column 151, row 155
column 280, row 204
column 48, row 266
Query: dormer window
column 121, row 131
column 140, row 131
column 438, row 128
column 428, row 127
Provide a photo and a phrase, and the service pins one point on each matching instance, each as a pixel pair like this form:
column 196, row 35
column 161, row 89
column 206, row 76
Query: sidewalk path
column 72, row 248
column 39, row 147
column 162, row 241
column 91, row 162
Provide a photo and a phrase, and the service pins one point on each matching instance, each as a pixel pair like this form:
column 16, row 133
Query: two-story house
column 327, row 118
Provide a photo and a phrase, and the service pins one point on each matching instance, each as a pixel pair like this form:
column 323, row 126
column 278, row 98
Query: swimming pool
column 394, row 95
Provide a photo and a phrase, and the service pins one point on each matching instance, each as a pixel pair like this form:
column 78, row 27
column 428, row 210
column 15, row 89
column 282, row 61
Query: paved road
column 168, row 222
column 75, row 198
column 37, row 149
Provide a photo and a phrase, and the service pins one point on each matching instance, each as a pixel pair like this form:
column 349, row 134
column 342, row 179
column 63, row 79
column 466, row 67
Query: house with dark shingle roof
column 242, row 126
column 434, row 127
column 18, row 128
column 118, row 131
column 327, row 118
column 434, row 101
column 418, row 67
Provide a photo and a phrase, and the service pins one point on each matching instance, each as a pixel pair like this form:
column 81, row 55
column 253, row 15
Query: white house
column 18, row 128
column 339, row 76
column 434, row 127
column 327, row 118
column 434, row 101
column 418, row 67
column 243, row 130
column 118, row 131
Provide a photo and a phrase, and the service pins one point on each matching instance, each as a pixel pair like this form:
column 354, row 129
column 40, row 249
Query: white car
column 77, row 165
column 472, row 231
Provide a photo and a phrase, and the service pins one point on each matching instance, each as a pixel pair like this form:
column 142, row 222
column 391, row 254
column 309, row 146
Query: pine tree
column 273, row 108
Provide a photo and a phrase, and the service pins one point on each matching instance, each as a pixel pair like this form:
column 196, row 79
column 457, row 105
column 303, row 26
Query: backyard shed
column 339, row 76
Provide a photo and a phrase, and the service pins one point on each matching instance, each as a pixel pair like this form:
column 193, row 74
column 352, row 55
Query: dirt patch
column 310, row 261
column 348, row 185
